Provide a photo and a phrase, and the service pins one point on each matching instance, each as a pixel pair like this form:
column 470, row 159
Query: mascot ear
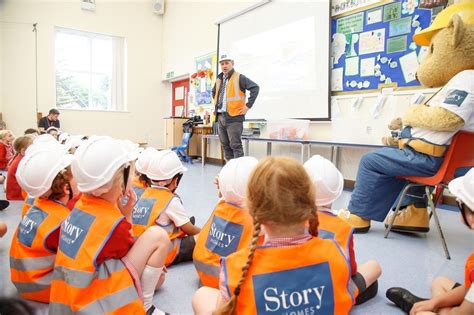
column 456, row 26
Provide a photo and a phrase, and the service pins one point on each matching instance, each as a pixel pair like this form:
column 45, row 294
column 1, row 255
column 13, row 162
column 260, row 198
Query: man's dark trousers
column 229, row 135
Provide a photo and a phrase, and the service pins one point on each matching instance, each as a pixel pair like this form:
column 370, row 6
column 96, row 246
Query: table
column 305, row 146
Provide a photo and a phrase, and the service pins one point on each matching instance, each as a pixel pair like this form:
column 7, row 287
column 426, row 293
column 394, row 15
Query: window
column 90, row 70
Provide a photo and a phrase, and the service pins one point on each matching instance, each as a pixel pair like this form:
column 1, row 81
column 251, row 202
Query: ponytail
column 229, row 307
column 313, row 223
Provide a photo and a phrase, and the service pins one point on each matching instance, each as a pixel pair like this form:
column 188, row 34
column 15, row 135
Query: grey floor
column 409, row 261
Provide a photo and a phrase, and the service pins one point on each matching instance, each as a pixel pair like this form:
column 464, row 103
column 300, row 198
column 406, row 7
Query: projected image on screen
column 280, row 60
column 287, row 57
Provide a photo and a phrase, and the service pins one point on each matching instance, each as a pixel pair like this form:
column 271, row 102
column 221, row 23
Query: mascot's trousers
column 377, row 186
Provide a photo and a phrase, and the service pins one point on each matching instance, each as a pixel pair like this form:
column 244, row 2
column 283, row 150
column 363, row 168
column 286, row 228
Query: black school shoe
column 403, row 298
column 4, row 204
column 152, row 309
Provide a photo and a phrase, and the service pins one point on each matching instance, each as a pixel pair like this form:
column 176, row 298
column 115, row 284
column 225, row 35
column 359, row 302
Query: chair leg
column 432, row 205
column 397, row 209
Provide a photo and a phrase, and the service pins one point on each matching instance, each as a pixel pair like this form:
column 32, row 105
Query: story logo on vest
column 455, row 97
column 223, row 237
column 29, row 225
column 142, row 210
column 73, row 232
column 138, row 191
column 307, row 290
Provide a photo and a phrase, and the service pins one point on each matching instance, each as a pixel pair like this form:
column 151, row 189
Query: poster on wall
column 202, row 82
column 343, row 6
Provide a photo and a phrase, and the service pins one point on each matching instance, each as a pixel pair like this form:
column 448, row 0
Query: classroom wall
column 133, row 20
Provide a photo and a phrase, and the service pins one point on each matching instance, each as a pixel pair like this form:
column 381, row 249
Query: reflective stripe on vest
column 79, row 284
column 103, row 305
column 228, row 229
column 332, row 227
column 310, row 278
column 31, row 262
column 235, row 98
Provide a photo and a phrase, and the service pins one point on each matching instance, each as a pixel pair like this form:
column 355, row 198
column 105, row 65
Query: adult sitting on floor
column 428, row 130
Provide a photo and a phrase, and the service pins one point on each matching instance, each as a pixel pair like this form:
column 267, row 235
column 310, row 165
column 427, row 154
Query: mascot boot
column 451, row 41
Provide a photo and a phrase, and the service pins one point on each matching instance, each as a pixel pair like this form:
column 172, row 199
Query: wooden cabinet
column 174, row 135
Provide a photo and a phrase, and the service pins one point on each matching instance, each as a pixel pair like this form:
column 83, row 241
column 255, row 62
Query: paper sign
column 338, row 47
column 400, row 26
column 336, row 79
column 409, row 64
column 392, row 11
column 367, row 66
column 372, row 41
column 396, row 44
column 352, row 66
column 350, row 24
column 374, row 16
column 342, row 6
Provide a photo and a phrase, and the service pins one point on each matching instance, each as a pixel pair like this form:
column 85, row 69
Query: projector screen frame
column 257, row 5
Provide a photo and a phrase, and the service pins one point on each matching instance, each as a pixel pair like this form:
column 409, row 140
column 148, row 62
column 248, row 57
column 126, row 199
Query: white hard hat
column 98, row 159
column 463, row 188
column 74, row 141
column 45, row 145
column 326, row 178
column 164, row 165
column 63, row 136
column 233, row 179
column 44, row 138
column 40, row 166
column 144, row 159
column 225, row 56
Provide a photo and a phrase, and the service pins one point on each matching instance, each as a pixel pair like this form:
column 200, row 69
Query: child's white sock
column 148, row 280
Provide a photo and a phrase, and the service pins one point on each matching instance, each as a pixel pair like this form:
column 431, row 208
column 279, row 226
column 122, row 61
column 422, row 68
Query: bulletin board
column 374, row 48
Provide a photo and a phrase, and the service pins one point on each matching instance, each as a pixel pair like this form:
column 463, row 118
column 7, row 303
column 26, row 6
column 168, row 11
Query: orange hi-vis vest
column 31, row 261
column 27, row 204
column 235, row 98
column 469, row 271
column 228, row 230
column 151, row 205
column 310, row 278
column 79, row 285
column 333, row 227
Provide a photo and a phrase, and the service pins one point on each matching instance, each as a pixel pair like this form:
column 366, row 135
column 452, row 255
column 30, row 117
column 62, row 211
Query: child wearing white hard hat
column 230, row 218
column 100, row 267
column 329, row 183
column 160, row 205
column 448, row 296
column 43, row 173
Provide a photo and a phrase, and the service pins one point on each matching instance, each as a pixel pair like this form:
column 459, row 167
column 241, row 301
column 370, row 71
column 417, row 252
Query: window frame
column 91, row 35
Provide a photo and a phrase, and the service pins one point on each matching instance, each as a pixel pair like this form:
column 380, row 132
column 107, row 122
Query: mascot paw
column 390, row 141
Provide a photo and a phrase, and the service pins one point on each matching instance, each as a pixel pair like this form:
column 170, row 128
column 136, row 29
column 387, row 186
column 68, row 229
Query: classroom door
column 179, row 103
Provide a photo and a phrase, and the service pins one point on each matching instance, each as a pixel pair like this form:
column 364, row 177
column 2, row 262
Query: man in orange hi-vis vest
column 228, row 95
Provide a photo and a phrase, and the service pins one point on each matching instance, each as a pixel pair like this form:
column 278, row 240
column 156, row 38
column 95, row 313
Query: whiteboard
column 283, row 46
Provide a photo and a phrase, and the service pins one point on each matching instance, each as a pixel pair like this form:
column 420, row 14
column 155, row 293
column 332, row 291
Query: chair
column 181, row 150
column 460, row 154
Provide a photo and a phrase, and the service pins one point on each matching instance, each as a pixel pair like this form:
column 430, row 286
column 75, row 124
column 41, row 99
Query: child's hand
column 127, row 208
column 428, row 306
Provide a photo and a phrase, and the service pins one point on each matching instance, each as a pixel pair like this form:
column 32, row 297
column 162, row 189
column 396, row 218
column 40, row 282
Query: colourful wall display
column 374, row 48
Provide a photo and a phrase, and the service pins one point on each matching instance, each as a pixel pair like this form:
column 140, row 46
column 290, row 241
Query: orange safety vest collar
column 228, row 230
column 31, row 261
column 313, row 277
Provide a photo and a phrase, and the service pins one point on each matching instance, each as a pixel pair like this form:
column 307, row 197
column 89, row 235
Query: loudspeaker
column 159, row 7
